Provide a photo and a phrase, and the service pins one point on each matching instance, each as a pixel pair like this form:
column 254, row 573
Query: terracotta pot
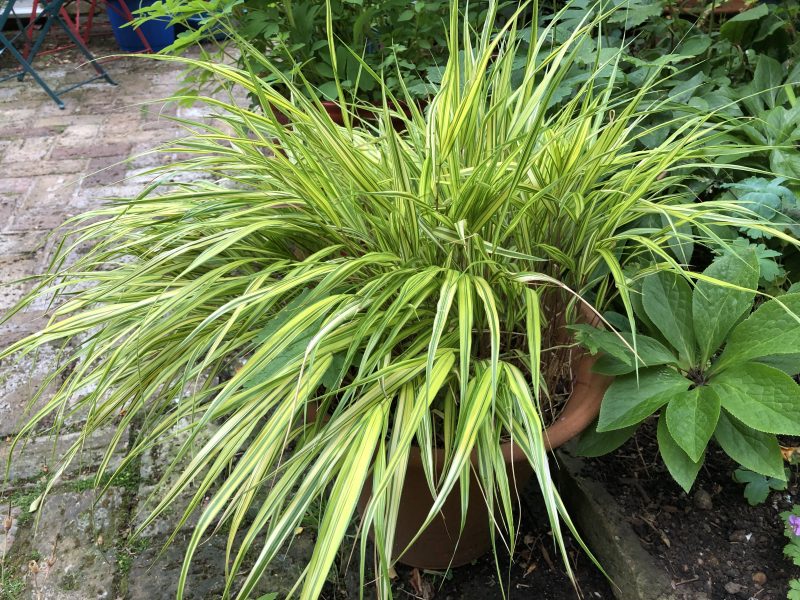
column 440, row 546
column 730, row 7
column 335, row 113
column 365, row 116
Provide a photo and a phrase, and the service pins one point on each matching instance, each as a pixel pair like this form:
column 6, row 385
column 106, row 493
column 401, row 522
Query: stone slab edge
column 634, row 573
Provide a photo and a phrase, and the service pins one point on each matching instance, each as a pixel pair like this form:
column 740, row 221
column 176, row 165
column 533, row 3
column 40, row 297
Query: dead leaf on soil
column 422, row 587
column 791, row 454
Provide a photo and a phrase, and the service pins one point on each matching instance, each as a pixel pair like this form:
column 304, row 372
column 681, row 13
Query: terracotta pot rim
column 582, row 407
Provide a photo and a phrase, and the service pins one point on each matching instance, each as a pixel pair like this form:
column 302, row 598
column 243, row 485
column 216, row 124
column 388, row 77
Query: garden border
column 634, row 573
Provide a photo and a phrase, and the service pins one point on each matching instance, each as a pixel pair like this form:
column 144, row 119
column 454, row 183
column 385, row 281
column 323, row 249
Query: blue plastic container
column 159, row 33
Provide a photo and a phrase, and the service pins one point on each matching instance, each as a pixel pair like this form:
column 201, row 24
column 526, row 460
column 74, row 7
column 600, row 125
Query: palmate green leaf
column 631, row 399
column 766, row 198
column 760, row 396
column 636, row 12
column 757, row 487
column 682, row 468
column 667, row 300
column 692, row 418
column 752, row 449
column 770, row 270
column 794, row 584
column 773, row 329
column 792, row 551
column 716, row 307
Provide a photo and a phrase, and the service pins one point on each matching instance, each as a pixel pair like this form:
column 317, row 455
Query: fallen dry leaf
column 422, row 587
column 791, row 454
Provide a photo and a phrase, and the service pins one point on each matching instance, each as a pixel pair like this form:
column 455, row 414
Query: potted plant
column 343, row 305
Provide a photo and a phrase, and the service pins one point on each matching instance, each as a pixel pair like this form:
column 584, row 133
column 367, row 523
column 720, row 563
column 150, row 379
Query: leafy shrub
column 742, row 395
column 403, row 44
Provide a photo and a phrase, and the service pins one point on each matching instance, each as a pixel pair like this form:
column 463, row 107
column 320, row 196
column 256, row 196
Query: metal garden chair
column 51, row 13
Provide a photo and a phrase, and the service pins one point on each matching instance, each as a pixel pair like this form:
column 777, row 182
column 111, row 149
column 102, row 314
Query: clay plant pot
column 334, row 111
column 731, row 7
column 440, row 546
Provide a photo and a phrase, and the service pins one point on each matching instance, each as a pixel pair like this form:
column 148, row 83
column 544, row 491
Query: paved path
column 54, row 164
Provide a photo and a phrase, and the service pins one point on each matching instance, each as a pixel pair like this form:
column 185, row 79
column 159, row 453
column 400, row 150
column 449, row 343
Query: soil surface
column 535, row 571
column 711, row 542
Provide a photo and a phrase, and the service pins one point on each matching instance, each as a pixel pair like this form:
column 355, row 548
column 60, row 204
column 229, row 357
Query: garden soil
column 534, row 571
column 711, row 542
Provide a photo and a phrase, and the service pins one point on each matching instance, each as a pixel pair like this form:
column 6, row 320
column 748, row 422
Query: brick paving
column 55, row 164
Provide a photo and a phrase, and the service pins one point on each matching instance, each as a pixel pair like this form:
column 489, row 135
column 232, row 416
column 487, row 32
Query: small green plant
column 124, row 560
column 128, row 549
column 70, row 581
column 710, row 368
column 12, row 588
column 756, row 486
column 26, row 497
column 126, row 477
column 792, row 549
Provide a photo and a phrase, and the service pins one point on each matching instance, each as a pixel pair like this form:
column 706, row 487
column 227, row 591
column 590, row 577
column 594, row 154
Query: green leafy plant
column 404, row 44
column 337, row 298
column 794, row 590
column 740, row 65
column 758, row 487
column 776, row 204
column 772, row 201
column 709, row 367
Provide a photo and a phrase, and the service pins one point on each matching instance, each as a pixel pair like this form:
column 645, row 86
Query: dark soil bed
column 712, row 543
column 535, row 572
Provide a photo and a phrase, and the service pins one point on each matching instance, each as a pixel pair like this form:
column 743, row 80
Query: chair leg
column 84, row 50
column 27, row 68
column 48, row 23
column 51, row 12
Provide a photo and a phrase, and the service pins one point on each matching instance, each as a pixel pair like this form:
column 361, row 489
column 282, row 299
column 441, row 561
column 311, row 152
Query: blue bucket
column 158, row 32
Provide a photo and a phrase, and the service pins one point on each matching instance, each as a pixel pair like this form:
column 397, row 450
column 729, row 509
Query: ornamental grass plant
column 330, row 297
